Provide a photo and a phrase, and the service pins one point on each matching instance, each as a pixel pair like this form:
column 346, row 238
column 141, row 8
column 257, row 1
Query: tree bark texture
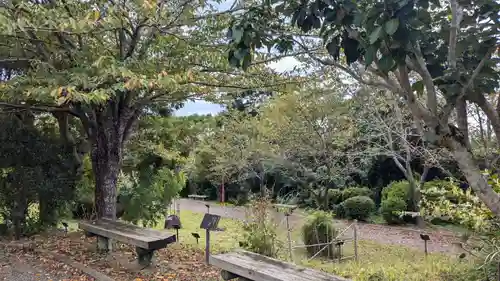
column 473, row 174
column 111, row 126
column 462, row 122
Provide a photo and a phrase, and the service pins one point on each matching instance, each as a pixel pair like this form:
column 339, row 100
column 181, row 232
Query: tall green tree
column 106, row 63
column 437, row 56
column 35, row 169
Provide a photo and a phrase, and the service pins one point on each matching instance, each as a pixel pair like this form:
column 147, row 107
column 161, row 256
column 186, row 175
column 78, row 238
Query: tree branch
column 136, row 36
column 330, row 62
column 40, row 108
column 456, row 18
column 448, row 108
column 428, row 81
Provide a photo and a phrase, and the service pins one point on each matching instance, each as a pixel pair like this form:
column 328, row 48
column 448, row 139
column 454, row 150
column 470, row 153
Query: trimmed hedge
column 396, row 189
column 359, row 207
column 389, row 209
column 356, row 191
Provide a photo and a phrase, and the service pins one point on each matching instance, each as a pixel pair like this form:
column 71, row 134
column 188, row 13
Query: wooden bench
column 250, row 266
column 196, row 196
column 145, row 240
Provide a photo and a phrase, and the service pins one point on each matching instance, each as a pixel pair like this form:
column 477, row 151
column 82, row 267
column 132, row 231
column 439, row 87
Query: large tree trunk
column 108, row 129
column 473, row 174
column 106, row 162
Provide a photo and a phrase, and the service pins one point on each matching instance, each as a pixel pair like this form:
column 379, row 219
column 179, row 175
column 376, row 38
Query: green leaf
column 301, row 17
column 391, row 26
column 316, row 22
column 358, row 19
column 295, row 17
column 385, row 63
column 333, row 48
column 233, row 61
column 330, row 15
column 376, row 34
column 307, row 24
column 418, row 87
column 246, row 61
column 237, row 34
column 241, row 53
column 371, row 53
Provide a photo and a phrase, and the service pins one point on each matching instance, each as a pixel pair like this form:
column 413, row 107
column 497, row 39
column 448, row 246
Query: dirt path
column 441, row 241
column 16, row 268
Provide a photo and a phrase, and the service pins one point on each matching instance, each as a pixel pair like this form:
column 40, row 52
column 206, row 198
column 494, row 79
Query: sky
column 202, row 107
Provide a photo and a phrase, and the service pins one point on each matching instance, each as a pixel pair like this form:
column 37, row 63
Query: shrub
column 397, row 189
column 448, row 188
column 466, row 209
column 260, row 234
column 356, row 191
column 319, row 229
column 389, row 209
column 334, row 197
column 359, row 207
column 339, row 211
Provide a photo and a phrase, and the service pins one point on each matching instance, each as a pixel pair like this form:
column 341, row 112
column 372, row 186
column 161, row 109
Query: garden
column 356, row 139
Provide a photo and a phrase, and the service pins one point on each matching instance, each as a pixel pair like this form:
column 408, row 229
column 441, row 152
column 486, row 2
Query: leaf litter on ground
column 177, row 262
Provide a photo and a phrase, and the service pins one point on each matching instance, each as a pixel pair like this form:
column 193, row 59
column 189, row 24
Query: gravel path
column 441, row 241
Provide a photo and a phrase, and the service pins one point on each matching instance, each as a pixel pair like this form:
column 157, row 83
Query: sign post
column 210, row 222
column 174, row 222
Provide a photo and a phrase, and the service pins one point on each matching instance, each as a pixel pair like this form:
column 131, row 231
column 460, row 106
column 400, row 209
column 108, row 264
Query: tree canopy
column 437, row 56
column 106, row 64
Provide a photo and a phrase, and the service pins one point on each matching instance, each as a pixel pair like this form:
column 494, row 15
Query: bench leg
column 226, row 275
column 103, row 244
column 144, row 256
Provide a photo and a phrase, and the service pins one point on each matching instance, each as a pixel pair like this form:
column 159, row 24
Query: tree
column 106, row 63
column 314, row 132
column 389, row 131
column 451, row 49
column 240, row 152
column 35, row 169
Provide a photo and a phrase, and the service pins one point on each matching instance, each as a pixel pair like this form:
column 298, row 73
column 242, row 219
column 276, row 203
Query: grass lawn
column 376, row 261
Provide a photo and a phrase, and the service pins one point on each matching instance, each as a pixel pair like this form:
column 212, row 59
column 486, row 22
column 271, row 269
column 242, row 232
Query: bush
column 359, row 207
column 389, row 209
column 260, row 234
column 319, row 229
column 449, row 187
column 339, row 211
column 356, row 191
column 396, row 189
column 334, row 197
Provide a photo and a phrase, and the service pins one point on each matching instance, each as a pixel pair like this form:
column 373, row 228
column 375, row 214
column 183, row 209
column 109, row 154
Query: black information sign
column 210, row 222
column 173, row 221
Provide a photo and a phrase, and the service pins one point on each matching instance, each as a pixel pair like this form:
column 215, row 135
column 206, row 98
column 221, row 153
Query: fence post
column 289, row 237
column 355, row 240
column 178, row 208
